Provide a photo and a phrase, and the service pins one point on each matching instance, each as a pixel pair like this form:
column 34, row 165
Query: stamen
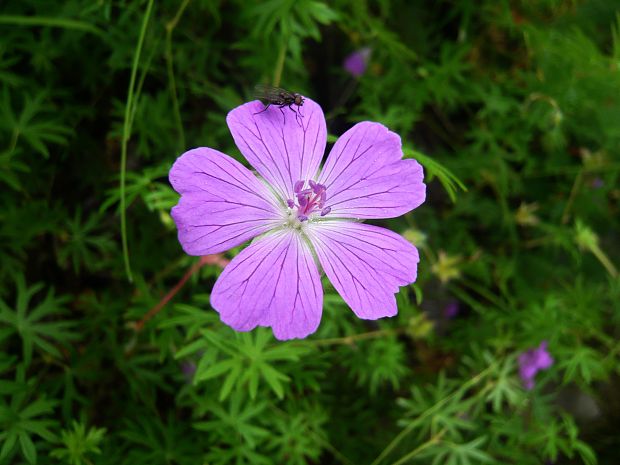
column 308, row 201
column 318, row 188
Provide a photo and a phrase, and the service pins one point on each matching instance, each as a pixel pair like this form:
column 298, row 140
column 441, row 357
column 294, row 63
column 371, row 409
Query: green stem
column 50, row 22
column 127, row 134
column 277, row 75
column 571, row 198
column 464, row 387
column 14, row 139
column 605, row 261
column 348, row 340
column 145, row 70
column 170, row 70
column 434, row 440
column 481, row 290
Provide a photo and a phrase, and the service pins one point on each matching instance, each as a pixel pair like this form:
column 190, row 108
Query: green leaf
column 28, row 449
column 433, row 168
column 229, row 382
column 9, row 443
column 33, row 324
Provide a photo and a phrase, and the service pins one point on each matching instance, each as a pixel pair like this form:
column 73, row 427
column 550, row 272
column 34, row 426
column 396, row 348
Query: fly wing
column 273, row 95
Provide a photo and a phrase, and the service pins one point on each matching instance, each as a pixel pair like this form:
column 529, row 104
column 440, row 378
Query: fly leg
column 263, row 110
column 282, row 111
column 296, row 114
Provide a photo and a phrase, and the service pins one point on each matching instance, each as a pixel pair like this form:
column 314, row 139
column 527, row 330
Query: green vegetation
column 109, row 351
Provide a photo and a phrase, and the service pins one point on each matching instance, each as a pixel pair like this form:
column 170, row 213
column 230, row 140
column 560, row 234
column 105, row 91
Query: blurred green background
column 513, row 108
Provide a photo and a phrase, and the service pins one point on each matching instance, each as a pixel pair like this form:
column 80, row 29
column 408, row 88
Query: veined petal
column 365, row 263
column 366, row 177
column 222, row 203
column 273, row 282
column 284, row 145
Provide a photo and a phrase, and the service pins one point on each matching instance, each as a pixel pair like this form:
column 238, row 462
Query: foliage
column 513, row 108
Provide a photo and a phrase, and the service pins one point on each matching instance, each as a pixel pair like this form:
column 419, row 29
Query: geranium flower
column 355, row 63
column 298, row 215
column 531, row 362
column 451, row 310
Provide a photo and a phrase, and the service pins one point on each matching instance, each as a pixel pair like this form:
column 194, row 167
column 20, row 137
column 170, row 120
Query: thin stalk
column 605, row 261
column 277, row 74
column 14, row 139
column 348, row 340
column 170, row 26
column 145, row 70
column 571, row 198
column 127, row 133
column 396, row 441
column 330, row 447
column 43, row 21
column 432, row 441
column 481, row 290
column 174, row 291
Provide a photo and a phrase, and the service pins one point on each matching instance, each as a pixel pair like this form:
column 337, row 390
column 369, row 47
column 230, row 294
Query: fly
column 279, row 97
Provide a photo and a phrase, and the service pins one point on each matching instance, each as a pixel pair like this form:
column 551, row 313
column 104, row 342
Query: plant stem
column 214, row 259
column 50, row 22
column 433, row 440
column 170, row 25
column 277, row 74
column 174, row 291
column 605, row 261
column 349, row 340
column 126, row 134
column 392, row 445
column 572, row 196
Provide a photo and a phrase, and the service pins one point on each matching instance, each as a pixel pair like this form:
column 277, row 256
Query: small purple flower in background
column 597, row 183
column 356, row 63
column 531, row 362
column 451, row 310
column 299, row 214
column 188, row 368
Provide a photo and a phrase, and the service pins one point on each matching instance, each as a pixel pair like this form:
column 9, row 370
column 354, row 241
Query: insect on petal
column 366, row 177
column 273, row 282
column 283, row 144
column 222, row 203
column 366, row 264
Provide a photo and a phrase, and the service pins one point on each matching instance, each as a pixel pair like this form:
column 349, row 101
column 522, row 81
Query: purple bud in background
column 355, row 63
column 188, row 368
column 597, row 183
column 531, row 362
column 451, row 310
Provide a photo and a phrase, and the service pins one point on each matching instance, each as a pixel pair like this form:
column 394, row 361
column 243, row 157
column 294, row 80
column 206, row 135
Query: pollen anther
column 309, row 201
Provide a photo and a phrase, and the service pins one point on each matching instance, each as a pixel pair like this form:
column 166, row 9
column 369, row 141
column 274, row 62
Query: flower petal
column 366, row 177
column 285, row 145
column 365, row 263
column 222, row 203
column 273, row 282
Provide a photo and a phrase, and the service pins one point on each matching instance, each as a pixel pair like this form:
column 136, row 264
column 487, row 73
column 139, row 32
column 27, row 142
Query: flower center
column 308, row 200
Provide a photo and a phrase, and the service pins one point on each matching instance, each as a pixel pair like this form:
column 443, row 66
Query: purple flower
column 188, row 368
column 451, row 310
column 298, row 215
column 356, row 62
column 531, row 362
